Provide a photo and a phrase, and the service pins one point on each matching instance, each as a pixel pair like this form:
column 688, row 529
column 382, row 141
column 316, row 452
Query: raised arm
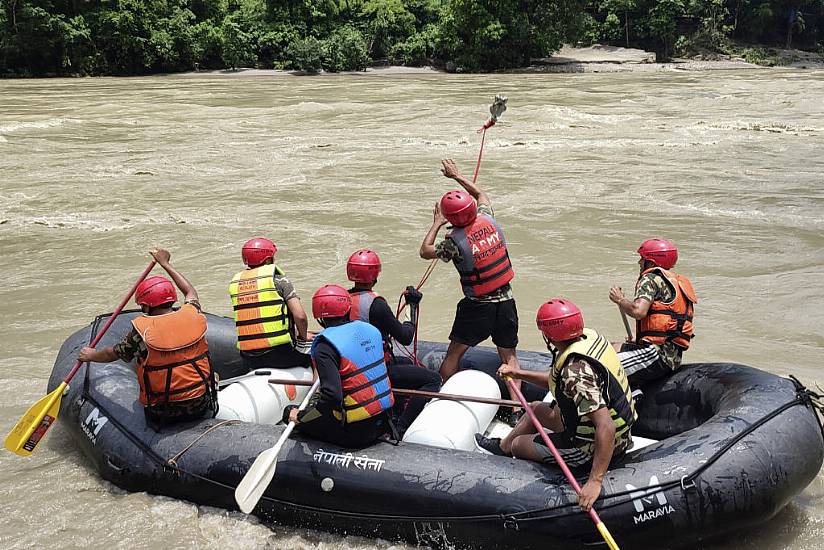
column 163, row 259
column 427, row 251
column 636, row 309
column 450, row 170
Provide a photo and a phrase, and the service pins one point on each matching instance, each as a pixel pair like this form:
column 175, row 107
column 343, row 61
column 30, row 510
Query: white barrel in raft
column 254, row 399
column 453, row 424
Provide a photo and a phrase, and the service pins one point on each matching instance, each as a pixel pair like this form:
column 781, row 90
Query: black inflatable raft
column 736, row 444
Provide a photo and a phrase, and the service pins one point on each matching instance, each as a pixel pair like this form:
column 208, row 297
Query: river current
column 581, row 169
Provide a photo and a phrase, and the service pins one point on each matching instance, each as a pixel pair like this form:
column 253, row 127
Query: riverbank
column 592, row 59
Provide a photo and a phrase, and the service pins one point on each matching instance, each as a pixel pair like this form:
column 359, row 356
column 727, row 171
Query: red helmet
column 363, row 266
column 331, row 301
column 560, row 320
column 661, row 252
column 155, row 291
column 459, row 208
column 258, row 250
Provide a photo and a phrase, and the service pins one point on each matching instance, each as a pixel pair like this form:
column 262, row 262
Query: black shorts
column 573, row 456
column 279, row 357
column 476, row 321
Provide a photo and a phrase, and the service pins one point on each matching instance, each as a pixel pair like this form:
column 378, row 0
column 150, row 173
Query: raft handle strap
column 687, row 484
column 173, row 461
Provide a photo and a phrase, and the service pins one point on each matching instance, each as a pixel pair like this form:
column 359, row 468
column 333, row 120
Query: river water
column 581, row 169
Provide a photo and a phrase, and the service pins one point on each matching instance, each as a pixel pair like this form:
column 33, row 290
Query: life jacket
column 261, row 315
column 177, row 366
column 361, row 304
column 485, row 266
column 670, row 321
column 364, row 379
column 614, row 388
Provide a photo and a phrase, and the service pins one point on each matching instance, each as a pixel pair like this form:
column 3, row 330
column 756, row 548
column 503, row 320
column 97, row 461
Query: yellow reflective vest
column 261, row 315
column 614, row 387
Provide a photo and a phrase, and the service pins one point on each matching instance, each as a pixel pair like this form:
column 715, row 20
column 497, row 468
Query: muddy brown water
column 581, row 169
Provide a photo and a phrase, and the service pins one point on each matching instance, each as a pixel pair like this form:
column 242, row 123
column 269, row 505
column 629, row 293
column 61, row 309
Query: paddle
column 626, row 325
column 422, row 393
column 259, row 476
column 572, row 481
column 31, row 428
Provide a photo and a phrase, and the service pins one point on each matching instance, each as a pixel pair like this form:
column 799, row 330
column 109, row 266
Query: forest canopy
column 129, row 37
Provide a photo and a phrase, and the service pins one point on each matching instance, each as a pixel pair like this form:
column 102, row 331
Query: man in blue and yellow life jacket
column 477, row 247
column 595, row 410
column 350, row 408
column 664, row 305
column 272, row 326
column 174, row 372
column 363, row 268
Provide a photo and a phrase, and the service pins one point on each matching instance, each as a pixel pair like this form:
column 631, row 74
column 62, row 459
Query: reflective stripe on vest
column 361, row 304
column 673, row 320
column 485, row 266
column 177, row 366
column 363, row 375
column 261, row 315
column 614, row 387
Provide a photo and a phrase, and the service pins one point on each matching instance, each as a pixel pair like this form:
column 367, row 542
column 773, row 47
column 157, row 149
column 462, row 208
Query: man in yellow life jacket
column 350, row 408
column 593, row 410
column 272, row 326
column 173, row 369
column 477, row 247
column 664, row 304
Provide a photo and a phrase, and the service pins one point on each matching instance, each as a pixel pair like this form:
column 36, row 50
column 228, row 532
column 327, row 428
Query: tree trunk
column 626, row 25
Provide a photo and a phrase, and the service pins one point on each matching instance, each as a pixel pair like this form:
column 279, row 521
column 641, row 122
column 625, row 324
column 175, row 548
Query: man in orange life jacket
column 350, row 407
column 271, row 323
column 173, row 368
column 477, row 247
column 663, row 305
column 363, row 268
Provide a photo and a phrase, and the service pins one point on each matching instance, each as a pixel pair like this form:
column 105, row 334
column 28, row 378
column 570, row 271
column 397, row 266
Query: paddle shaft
column 420, row 393
column 513, row 389
column 112, row 317
column 626, row 325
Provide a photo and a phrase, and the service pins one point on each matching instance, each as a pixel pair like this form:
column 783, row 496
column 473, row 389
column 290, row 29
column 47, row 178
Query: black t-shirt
column 382, row 318
column 330, row 394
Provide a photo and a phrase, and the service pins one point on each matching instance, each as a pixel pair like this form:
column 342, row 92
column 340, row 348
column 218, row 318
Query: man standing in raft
column 173, row 367
column 272, row 326
column 477, row 247
column 363, row 268
column 595, row 411
column 664, row 304
column 350, row 407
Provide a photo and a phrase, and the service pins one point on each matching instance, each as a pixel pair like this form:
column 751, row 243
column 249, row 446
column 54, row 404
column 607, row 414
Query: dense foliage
column 143, row 36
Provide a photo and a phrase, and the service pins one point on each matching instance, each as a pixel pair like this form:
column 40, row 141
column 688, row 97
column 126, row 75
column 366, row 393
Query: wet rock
column 4, row 222
column 143, row 173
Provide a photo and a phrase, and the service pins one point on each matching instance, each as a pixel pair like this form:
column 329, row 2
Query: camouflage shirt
column 285, row 287
column 653, row 287
column 584, row 387
column 448, row 251
column 133, row 345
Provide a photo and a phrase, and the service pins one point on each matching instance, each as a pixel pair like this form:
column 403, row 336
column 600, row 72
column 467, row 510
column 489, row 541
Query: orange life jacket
column 177, row 366
column 669, row 321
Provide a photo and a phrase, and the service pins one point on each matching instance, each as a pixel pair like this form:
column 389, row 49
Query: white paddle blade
column 260, row 475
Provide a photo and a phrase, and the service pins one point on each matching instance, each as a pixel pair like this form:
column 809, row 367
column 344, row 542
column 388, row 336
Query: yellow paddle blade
column 607, row 536
column 28, row 432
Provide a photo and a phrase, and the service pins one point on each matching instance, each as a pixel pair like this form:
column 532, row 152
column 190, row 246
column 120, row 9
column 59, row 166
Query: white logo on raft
column 647, row 498
column 93, row 424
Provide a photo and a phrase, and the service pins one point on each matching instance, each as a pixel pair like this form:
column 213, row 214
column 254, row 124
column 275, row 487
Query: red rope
column 414, row 356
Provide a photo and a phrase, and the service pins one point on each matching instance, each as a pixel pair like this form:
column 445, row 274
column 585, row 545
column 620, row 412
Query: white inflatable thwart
column 453, row 424
column 254, row 399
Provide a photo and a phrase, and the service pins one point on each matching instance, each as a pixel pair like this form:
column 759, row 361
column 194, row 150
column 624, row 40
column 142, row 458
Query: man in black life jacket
column 173, row 368
column 363, row 269
column 350, row 407
column 477, row 247
column 594, row 411
column 663, row 306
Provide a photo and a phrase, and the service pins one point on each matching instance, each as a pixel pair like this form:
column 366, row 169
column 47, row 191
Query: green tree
column 238, row 48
